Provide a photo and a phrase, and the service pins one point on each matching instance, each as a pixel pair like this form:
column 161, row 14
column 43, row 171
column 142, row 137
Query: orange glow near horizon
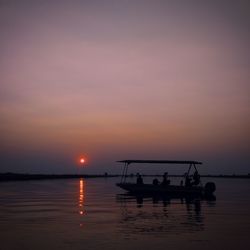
column 82, row 160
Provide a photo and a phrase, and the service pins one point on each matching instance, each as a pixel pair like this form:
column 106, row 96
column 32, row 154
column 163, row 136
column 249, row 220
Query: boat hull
column 161, row 190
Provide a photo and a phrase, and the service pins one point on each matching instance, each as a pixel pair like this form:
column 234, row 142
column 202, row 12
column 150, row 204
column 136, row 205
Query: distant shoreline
column 26, row 177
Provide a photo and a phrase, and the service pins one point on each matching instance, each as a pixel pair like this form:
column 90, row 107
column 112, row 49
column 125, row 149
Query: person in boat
column 196, row 178
column 165, row 180
column 187, row 181
column 155, row 182
column 139, row 180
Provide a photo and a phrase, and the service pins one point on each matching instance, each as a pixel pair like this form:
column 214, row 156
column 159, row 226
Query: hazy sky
column 113, row 80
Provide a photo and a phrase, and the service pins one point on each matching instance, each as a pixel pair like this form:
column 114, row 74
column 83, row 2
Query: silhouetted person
column 165, row 180
column 155, row 182
column 139, row 180
column 181, row 183
column 196, row 178
column 187, row 181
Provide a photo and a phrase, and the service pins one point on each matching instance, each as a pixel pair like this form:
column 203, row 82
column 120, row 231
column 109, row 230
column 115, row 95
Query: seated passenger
column 155, row 182
column 196, row 178
column 165, row 180
column 188, row 181
column 139, row 180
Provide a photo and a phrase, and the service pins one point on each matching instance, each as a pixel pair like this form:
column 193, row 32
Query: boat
column 190, row 186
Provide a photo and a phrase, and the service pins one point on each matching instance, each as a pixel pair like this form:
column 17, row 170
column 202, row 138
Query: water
column 94, row 214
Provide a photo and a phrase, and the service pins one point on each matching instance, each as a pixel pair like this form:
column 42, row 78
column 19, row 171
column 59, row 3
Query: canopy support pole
column 195, row 168
column 124, row 172
column 189, row 169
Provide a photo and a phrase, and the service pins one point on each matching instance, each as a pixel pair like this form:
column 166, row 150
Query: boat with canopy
column 190, row 185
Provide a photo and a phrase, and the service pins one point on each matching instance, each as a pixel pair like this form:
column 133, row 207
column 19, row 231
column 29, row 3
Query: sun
column 82, row 160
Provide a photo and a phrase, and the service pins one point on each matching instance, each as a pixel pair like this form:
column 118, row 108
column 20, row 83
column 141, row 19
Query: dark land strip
column 25, row 177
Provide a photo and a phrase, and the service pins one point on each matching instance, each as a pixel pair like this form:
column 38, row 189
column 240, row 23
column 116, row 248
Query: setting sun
column 82, row 160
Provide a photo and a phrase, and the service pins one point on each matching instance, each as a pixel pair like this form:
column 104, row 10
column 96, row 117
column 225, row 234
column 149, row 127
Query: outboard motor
column 210, row 188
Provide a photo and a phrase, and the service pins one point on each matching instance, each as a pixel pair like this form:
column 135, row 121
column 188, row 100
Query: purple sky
column 124, row 79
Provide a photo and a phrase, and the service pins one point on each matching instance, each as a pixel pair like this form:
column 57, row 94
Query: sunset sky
column 114, row 80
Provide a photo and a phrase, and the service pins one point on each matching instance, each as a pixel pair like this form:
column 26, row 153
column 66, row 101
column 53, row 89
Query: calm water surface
column 95, row 214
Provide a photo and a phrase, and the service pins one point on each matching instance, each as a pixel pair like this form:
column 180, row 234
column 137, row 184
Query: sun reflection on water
column 81, row 197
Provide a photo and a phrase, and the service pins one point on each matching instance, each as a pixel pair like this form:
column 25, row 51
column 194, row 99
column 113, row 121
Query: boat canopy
column 127, row 162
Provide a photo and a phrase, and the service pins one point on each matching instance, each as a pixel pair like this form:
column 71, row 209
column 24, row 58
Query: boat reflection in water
column 141, row 214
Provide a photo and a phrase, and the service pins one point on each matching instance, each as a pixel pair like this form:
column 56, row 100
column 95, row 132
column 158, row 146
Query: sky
column 114, row 80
